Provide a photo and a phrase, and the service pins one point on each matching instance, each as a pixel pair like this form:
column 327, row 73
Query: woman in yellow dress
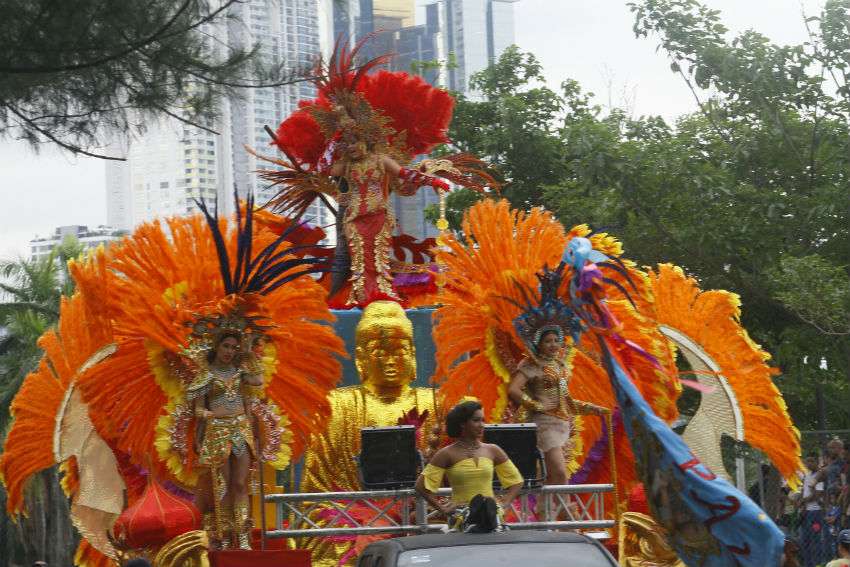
column 469, row 465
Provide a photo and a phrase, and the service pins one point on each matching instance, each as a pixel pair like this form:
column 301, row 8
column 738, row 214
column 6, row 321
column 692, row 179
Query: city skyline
column 585, row 40
column 173, row 164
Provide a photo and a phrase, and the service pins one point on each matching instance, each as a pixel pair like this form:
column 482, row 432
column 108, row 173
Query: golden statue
column 386, row 362
column 642, row 543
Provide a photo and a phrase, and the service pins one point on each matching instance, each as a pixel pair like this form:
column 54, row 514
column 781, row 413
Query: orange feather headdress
column 114, row 372
column 478, row 348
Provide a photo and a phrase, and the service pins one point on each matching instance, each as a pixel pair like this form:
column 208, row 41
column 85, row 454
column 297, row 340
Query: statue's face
column 385, row 357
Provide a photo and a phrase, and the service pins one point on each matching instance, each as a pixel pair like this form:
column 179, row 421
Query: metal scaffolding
column 403, row 512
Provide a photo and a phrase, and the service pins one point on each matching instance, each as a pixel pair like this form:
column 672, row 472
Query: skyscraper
column 475, row 32
column 174, row 163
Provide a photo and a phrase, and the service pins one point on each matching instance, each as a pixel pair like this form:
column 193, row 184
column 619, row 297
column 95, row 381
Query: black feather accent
column 272, row 267
column 623, row 290
column 220, row 246
column 621, row 268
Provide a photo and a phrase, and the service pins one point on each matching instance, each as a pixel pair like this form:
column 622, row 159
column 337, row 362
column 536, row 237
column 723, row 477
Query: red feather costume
column 352, row 143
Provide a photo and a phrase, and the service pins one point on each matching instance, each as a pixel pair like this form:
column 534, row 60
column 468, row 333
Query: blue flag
column 709, row 522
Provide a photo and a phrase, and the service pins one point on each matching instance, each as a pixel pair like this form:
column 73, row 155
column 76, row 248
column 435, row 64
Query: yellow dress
column 471, row 476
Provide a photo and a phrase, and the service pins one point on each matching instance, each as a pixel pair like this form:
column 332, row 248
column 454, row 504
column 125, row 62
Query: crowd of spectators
column 816, row 514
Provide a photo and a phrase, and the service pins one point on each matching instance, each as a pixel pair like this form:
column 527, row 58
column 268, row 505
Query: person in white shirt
column 812, row 528
column 843, row 550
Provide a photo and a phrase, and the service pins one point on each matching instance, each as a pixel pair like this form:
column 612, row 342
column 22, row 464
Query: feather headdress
column 388, row 113
column 545, row 312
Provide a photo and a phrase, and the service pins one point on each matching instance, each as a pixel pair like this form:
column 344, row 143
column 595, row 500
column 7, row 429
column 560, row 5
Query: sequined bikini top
column 225, row 392
column 553, row 382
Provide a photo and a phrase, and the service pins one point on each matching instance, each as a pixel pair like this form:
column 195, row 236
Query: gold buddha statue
column 386, row 363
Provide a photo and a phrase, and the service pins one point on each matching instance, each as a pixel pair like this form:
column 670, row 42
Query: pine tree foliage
column 72, row 71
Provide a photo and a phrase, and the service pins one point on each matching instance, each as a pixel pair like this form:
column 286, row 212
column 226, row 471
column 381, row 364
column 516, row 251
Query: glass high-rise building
column 172, row 163
column 475, row 33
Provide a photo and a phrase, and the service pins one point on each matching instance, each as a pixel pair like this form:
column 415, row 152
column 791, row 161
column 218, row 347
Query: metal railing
column 400, row 512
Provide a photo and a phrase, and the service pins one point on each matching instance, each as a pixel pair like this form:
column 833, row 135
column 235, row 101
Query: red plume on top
column 299, row 135
column 416, row 109
column 413, row 106
column 342, row 73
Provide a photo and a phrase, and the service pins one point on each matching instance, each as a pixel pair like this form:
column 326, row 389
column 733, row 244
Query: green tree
column 30, row 293
column 748, row 194
column 510, row 120
column 511, row 125
column 72, row 71
column 776, row 140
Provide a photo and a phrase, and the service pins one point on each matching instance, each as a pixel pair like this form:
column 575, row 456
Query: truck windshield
column 507, row 555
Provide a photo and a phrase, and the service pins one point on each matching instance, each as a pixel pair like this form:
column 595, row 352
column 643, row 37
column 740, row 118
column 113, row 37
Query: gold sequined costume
column 386, row 362
column 223, row 435
column 109, row 399
column 556, row 426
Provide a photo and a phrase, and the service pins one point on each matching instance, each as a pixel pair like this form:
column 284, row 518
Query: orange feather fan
column 475, row 323
column 161, row 280
column 711, row 319
column 83, row 329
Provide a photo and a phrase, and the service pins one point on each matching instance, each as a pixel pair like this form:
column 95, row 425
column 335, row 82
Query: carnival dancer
column 540, row 385
column 470, row 465
column 207, row 329
column 224, row 440
column 356, row 143
column 513, row 341
column 215, row 345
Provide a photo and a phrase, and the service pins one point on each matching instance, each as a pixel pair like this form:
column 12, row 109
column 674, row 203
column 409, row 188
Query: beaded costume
column 115, row 394
column 231, row 433
column 553, row 426
column 355, row 143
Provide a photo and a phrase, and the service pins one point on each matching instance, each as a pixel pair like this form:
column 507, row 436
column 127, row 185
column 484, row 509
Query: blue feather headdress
column 544, row 311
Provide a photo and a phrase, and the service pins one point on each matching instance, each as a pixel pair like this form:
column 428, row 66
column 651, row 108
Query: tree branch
column 70, row 147
column 112, row 57
column 702, row 108
column 820, row 329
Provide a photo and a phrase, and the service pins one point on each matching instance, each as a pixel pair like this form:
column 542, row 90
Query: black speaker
column 388, row 457
column 519, row 441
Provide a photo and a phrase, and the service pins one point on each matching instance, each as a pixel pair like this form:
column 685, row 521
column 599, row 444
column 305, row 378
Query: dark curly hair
column 459, row 415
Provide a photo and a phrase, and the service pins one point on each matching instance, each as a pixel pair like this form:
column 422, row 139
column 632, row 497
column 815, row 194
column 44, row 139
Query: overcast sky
column 587, row 40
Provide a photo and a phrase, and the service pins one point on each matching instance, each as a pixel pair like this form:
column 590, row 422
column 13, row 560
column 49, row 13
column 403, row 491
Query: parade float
column 206, row 387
